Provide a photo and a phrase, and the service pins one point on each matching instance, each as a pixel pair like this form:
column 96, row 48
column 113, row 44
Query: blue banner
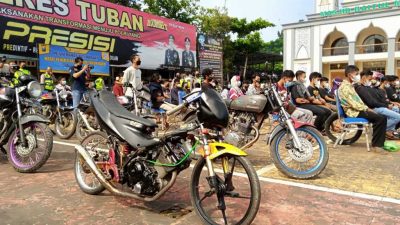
column 61, row 59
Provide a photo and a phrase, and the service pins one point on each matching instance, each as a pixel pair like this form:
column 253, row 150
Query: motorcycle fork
column 83, row 116
column 20, row 127
column 58, row 108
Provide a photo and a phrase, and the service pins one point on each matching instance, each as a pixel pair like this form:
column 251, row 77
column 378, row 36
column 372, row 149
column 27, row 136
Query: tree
column 136, row 4
column 181, row 10
column 214, row 22
column 249, row 39
column 275, row 46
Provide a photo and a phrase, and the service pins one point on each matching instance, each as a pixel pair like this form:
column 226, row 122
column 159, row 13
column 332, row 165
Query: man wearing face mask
column 368, row 95
column 208, row 77
column 303, row 99
column 79, row 74
column 390, row 88
column 325, row 90
column 132, row 78
column 354, row 107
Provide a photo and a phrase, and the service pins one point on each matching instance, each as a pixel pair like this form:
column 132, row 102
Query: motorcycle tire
column 330, row 134
column 60, row 131
column 81, row 131
column 253, row 182
column 296, row 174
column 15, row 157
column 79, row 168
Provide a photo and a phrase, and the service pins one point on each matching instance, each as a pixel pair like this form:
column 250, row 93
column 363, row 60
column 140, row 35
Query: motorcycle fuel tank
column 249, row 103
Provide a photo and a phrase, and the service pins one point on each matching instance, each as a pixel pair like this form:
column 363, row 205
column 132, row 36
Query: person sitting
column 303, row 99
column 370, row 98
column 354, row 107
column 325, row 90
column 254, row 88
column 157, row 94
column 391, row 89
column 314, row 90
column 282, row 86
column 235, row 91
column 381, row 83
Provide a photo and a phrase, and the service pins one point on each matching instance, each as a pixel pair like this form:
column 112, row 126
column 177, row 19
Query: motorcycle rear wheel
column 40, row 144
column 330, row 125
column 247, row 202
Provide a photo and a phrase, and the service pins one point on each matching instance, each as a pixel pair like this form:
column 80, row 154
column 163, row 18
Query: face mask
column 326, row 85
column 239, row 83
column 357, row 78
column 317, row 83
column 397, row 83
column 288, row 84
column 229, row 86
column 63, row 82
column 387, row 85
column 367, row 84
column 377, row 84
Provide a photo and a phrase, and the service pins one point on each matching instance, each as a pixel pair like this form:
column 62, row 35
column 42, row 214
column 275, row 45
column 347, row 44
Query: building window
column 374, row 43
column 375, row 66
column 340, row 47
column 337, row 66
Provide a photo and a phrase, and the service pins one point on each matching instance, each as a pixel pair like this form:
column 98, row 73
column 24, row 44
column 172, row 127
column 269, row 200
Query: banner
column 210, row 55
column 61, row 59
column 99, row 26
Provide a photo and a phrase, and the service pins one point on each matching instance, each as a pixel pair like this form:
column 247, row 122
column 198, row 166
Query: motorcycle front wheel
column 66, row 125
column 34, row 155
column 238, row 188
column 333, row 128
column 304, row 163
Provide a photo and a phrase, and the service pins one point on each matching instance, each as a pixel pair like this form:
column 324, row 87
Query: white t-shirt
column 5, row 69
column 132, row 76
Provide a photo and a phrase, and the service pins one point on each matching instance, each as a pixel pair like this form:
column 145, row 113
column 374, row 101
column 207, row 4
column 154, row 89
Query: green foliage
column 214, row 22
column 242, row 28
column 185, row 11
column 275, row 46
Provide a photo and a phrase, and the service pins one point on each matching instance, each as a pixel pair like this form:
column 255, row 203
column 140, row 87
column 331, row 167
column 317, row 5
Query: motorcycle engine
column 141, row 177
column 240, row 126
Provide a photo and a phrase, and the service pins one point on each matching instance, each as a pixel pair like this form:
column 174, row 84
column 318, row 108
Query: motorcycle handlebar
column 176, row 109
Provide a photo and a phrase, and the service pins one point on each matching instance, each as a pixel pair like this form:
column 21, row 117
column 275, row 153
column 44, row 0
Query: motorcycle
column 86, row 118
column 62, row 116
column 298, row 150
column 30, row 140
column 127, row 160
column 333, row 129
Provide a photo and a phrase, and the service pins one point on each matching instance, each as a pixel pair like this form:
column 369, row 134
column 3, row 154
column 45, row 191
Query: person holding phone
column 79, row 73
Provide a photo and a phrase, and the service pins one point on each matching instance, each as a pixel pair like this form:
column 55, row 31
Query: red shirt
column 117, row 90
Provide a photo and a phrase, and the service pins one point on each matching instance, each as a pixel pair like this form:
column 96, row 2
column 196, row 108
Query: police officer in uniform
column 99, row 83
column 47, row 80
column 22, row 71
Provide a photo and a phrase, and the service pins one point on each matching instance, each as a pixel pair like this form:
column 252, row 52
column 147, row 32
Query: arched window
column 375, row 43
column 340, row 47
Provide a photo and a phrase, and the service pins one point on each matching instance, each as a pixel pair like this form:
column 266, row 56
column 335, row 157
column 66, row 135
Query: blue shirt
column 79, row 83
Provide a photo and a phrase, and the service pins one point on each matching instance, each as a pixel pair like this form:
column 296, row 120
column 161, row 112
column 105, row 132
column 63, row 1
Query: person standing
column 47, row 80
column 208, row 77
column 132, row 76
column 80, row 74
column 99, row 83
column 235, row 91
column 354, row 107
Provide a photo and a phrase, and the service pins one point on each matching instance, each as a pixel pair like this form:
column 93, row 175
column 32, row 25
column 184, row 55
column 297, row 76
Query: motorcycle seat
column 111, row 103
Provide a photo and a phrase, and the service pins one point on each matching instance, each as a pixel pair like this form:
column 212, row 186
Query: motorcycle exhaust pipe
column 248, row 145
column 99, row 175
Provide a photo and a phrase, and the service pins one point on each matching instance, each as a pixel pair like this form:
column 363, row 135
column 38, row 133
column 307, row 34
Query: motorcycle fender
column 33, row 118
column 218, row 149
column 274, row 132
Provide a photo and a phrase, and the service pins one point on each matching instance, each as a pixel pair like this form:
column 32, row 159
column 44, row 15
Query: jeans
column 393, row 118
column 77, row 95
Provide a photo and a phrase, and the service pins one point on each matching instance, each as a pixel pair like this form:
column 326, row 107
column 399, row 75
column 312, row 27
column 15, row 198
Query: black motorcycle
column 30, row 140
column 127, row 160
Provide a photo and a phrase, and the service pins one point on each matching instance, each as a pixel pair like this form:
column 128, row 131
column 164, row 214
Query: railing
column 373, row 48
column 335, row 51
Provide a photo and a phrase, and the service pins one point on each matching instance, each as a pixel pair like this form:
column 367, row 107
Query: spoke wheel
column 236, row 197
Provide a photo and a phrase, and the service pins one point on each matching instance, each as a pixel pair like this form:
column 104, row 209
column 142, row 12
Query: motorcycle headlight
column 34, row 89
